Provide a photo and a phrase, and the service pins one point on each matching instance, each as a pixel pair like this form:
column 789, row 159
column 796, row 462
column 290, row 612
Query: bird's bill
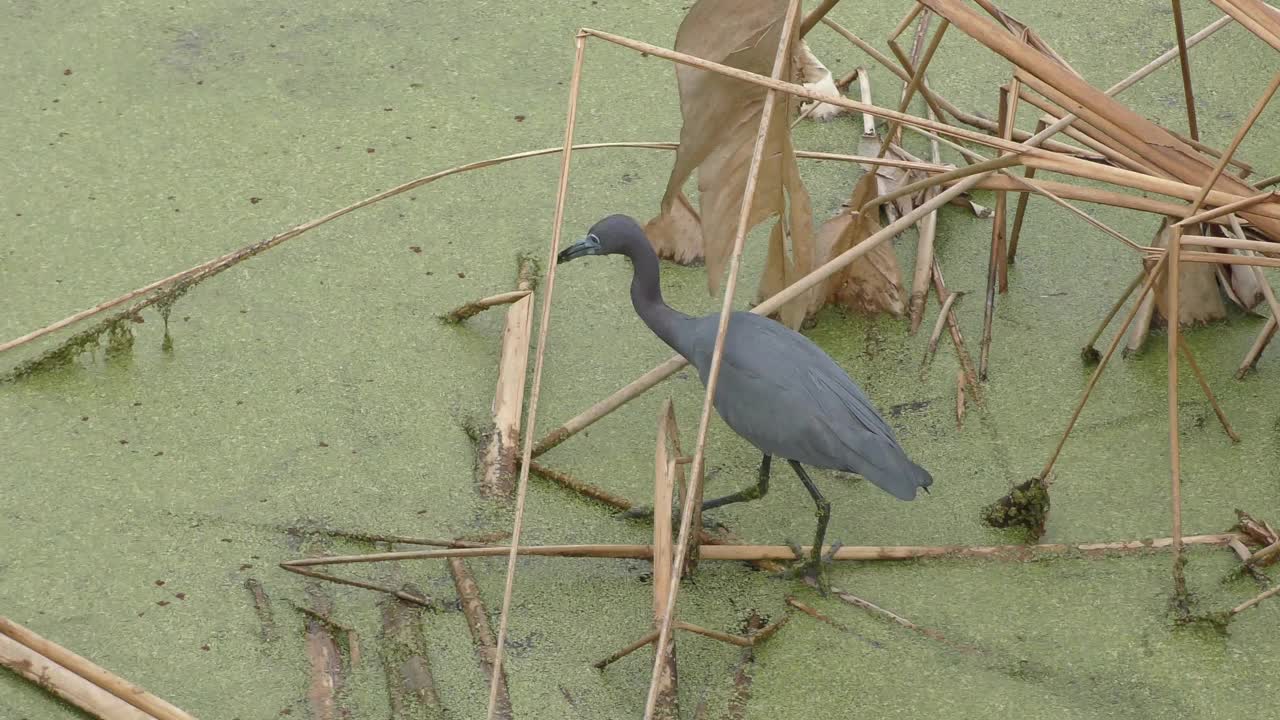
column 589, row 245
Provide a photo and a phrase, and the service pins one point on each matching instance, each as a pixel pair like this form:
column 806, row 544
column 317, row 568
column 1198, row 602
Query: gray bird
column 777, row 389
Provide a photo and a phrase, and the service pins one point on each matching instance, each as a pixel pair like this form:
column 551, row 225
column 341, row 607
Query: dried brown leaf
column 871, row 284
column 1199, row 300
column 721, row 118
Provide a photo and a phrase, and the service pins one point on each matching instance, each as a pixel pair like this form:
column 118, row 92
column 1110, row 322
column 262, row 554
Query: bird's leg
column 755, row 492
column 815, row 568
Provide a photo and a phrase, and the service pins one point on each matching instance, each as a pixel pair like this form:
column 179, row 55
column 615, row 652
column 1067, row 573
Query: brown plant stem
column 1185, row 64
column 462, row 312
column 65, row 684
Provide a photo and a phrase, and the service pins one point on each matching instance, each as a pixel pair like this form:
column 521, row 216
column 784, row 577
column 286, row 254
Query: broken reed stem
column 668, row 701
column 928, row 234
column 616, row 501
column 486, row 646
column 941, row 322
column 960, row 398
column 1090, row 353
column 1208, row 392
column 1254, row 601
column 1152, row 275
column 65, row 684
column 498, row 461
column 91, row 672
column 898, row 619
column 419, row 600
column 814, row 17
column 1229, row 208
column 615, row 657
column 957, row 338
column 740, row 553
column 1020, row 213
column 786, row 41
column 462, row 312
column 1185, row 63
column 914, row 84
column 1008, row 120
column 497, row 684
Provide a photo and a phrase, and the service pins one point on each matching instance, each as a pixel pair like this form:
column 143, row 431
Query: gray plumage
column 777, row 389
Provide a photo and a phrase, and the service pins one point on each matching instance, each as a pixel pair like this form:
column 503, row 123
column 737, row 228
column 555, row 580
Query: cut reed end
column 1024, row 508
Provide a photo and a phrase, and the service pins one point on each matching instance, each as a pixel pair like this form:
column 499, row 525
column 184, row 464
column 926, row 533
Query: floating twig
column 401, row 594
column 1254, row 601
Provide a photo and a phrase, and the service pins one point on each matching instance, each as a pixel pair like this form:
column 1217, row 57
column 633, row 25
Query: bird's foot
column 813, row 568
column 637, row 512
column 645, row 512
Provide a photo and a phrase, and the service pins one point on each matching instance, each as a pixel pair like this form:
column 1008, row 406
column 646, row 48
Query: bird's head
column 612, row 235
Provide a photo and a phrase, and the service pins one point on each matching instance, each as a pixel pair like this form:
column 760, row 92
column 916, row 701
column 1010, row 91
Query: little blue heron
column 777, row 389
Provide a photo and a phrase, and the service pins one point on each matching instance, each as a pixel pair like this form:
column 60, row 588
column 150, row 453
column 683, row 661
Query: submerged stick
column 99, row 676
column 324, row 659
column 408, row 597
column 742, row 676
column 957, row 339
column 261, row 608
column 474, row 307
column 65, row 684
column 486, row 646
column 410, row 684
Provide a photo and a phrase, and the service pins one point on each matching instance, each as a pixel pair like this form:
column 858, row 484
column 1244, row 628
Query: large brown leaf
column 721, row 118
column 871, row 284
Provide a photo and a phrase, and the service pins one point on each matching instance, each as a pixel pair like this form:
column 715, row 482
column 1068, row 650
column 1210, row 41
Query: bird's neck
column 646, row 296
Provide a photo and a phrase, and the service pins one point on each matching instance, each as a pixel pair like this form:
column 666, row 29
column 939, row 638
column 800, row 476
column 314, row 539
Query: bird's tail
column 895, row 473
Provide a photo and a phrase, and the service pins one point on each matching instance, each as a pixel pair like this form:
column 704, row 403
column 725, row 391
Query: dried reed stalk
column 667, row 705
column 1258, row 17
column 408, row 597
column 739, row 553
column 786, row 41
column 941, row 322
column 957, row 338
column 924, row 254
column 1229, row 208
column 497, row 685
column 960, row 398
column 91, row 672
column 1185, row 64
column 481, row 633
column 498, row 460
column 913, row 85
column 65, row 684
